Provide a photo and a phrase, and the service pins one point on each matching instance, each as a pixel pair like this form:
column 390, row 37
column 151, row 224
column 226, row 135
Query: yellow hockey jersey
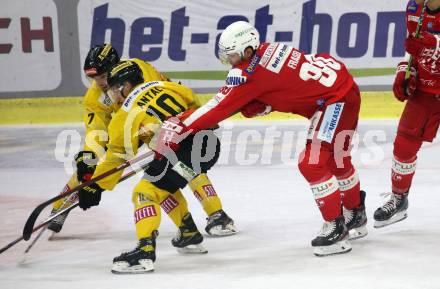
column 99, row 107
column 138, row 119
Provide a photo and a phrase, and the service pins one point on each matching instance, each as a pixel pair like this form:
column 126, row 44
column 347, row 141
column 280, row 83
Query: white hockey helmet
column 236, row 38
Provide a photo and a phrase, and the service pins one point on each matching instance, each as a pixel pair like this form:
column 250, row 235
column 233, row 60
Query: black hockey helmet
column 125, row 71
column 100, row 59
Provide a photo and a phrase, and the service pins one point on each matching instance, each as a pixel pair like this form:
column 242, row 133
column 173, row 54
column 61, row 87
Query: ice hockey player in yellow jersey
column 98, row 110
column 99, row 107
column 145, row 105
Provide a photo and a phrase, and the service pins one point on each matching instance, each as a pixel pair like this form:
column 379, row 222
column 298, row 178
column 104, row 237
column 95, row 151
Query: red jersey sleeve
column 238, row 91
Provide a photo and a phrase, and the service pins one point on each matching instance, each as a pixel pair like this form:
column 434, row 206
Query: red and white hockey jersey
column 280, row 76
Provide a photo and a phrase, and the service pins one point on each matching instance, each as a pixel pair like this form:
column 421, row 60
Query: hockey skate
column 356, row 220
column 393, row 211
column 332, row 239
column 57, row 223
column 188, row 239
column 219, row 224
column 139, row 260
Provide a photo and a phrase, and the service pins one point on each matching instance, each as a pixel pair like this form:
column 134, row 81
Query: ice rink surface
column 267, row 197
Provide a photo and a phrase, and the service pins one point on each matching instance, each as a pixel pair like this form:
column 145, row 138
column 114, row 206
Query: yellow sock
column 206, row 194
column 175, row 206
column 73, row 182
column 148, row 199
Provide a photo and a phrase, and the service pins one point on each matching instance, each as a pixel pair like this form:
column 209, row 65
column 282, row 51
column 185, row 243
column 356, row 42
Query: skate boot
column 188, row 239
column 356, row 220
column 219, row 224
column 332, row 239
column 57, row 223
column 139, row 260
column 394, row 210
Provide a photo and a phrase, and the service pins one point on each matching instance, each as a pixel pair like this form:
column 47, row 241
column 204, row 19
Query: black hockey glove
column 90, row 196
column 85, row 165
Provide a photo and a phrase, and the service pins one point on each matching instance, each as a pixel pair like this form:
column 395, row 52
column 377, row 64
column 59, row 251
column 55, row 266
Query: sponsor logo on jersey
column 413, row 18
column 294, row 59
column 169, row 204
column 404, row 168
column 235, row 80
column 268, row 54
column 330, row 122
column 324, row 189
column 253, row 64
column 184, row 171
column 313, row 124
column 209, row 191
column 348, row 183
column 142, row 199
column 222, row 93
column 144, row 212
column 235, row 77
column 128, row 103
column 197, row 195
column 279, row 58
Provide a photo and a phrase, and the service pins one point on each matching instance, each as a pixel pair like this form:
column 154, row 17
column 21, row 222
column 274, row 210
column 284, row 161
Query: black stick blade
column 29, row 226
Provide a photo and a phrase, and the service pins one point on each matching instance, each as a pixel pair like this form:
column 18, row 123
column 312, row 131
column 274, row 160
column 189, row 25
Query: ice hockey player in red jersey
column 275, row 77
column 421, row 117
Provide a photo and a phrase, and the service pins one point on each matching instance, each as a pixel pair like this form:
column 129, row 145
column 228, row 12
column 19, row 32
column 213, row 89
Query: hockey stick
column 28, row 227
column 417, row 34
column 67, row 201
column 37, row 227
column 47, row 221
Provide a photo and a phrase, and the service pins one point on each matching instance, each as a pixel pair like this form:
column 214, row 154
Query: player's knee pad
column 406, row 148
column 145, row 191
column 313, row 164
column 204, row 192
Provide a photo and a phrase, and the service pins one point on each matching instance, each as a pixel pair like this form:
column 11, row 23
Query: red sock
column 402, row 173
column 350, row 190
column 328, row 198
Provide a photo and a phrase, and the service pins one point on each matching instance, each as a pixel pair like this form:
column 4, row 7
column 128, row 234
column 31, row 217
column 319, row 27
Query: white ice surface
column 276, row 217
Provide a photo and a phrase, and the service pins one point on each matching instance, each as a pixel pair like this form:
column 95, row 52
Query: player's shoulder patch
column 131, row 98
column 235, row 77
column 275, row 56
column 412, row 6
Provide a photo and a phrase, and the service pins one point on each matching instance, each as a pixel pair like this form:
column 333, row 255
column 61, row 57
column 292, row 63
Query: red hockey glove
column 172, row 132
column 415, row 46
column 255, row 108
column 404, row 89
